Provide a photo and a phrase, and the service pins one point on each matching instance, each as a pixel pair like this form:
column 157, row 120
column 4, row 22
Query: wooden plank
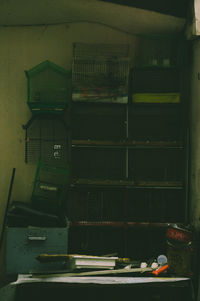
column 127, row 143
column 159, row 183
column 102, row 182
column 118, row 224
column 64, row 257
column 97, row 273
column 139, row 184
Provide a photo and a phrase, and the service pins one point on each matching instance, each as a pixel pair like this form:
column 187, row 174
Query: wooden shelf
column 129, row 144
column 128, row 184
column 112, row 224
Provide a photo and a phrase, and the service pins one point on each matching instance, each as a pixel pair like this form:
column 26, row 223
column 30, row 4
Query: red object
column 179, row 234
column 160, row 270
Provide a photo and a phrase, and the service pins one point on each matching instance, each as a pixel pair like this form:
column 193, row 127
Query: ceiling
column 177, row 8
column 125, row 18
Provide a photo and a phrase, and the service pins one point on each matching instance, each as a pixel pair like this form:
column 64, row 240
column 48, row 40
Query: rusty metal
column 117, row 224
column 129, row 143
column 131, row 184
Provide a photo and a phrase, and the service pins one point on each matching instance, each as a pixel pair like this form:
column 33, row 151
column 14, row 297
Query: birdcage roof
column 42, row 66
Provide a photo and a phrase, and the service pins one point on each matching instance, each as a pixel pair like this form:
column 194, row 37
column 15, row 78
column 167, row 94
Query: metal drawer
column 23, row 245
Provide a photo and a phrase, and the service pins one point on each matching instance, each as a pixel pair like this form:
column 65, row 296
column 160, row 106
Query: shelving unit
column 102, row 198
column 134, row 147
column 129, row 161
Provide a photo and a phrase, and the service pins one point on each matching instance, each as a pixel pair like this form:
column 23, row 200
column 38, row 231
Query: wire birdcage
column 103, row 51
column 47, row 139
column 110, row 73
column 100, row 71
column 48, row 88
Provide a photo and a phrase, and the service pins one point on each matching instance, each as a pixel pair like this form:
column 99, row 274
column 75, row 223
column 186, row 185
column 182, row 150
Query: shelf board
column 129, row 144
column 156, row 67
column 128, row 184
column 119, row 224
column 159, row 105
column 100, row 102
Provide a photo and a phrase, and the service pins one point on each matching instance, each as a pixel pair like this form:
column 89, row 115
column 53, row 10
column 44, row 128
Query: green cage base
column 48, row 177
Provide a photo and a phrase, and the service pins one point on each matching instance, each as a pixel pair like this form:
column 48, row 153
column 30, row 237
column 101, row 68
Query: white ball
column 154, row 265
column 143, row 265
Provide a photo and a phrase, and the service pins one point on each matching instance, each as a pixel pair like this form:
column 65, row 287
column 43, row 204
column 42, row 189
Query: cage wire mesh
column 50, row 181
column 49, row 87
column 49, row 187
column 104, row 51
column 47, row 139
column 100, row 71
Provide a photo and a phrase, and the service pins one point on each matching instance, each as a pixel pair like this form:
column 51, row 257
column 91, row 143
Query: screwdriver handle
column 123, row 260
column 160, row 270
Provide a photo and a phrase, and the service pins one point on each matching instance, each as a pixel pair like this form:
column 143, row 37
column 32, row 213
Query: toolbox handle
column 37, row 238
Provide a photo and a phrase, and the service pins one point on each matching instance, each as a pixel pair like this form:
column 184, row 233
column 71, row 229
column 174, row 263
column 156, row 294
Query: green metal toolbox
column 23, row 245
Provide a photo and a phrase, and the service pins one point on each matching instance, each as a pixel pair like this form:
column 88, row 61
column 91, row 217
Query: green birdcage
column 49, row 187
column 49, row 88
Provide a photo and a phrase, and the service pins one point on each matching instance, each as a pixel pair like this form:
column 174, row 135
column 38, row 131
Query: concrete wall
column 21, row 49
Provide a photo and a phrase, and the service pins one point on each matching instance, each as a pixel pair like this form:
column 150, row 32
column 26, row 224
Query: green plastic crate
column 49, row 186
column 48, row 88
